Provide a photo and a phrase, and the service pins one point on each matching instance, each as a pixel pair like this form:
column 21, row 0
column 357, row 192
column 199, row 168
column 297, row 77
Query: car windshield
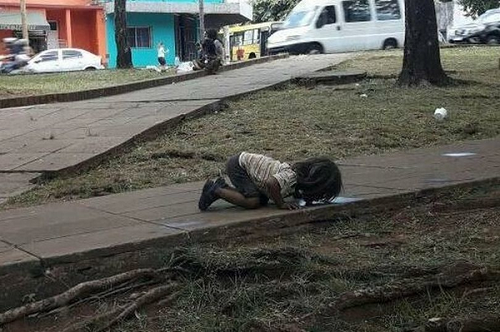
column 489, row 17
column 299, row 18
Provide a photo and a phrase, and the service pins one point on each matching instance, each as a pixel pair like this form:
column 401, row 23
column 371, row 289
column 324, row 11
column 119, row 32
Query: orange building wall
column 88, row 27
column 83, row 29
column 4, row 34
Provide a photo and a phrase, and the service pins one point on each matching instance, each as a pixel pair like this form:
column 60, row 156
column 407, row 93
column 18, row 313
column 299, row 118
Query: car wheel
column 315, row 49
column 493, row 40
column 390, row 44
column 90, row 69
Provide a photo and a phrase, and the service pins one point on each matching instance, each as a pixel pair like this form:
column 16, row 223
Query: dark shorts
column 162, row 61
column 242, row 181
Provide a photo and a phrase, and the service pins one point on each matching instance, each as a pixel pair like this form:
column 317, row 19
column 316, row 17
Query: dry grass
column 295, row 123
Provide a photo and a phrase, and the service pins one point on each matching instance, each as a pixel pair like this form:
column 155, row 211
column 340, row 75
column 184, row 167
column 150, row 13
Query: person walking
column 161, row 55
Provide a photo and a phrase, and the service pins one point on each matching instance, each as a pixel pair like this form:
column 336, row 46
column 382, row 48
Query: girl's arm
column 274, row 190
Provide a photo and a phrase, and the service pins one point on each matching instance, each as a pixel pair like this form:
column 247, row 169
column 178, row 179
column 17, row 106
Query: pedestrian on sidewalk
column 161, row 55
column 257, row 179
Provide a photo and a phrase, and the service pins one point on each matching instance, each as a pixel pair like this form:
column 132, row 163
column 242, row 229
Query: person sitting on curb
column 257, row 178
column 212, row 53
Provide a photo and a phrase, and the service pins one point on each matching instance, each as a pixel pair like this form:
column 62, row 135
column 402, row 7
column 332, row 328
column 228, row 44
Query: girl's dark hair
column 318, row 179
column 212, row 34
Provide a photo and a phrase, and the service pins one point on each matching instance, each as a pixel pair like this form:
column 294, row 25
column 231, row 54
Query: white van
column 331, row 26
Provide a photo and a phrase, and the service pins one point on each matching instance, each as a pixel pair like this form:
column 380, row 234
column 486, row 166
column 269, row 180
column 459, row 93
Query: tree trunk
column 422, row 60
column 124, row 54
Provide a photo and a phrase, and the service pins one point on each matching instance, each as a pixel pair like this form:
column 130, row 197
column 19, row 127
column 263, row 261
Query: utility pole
column 24, row 20
column 202, row 19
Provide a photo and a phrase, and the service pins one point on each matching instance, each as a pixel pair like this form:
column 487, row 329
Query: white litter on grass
column 153, row 68
column 364, row 95
column 440, row 114
column 460, row 155
column 185, row 67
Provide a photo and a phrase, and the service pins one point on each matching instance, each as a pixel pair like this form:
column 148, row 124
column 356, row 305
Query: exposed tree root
column 452, row 276
column 103, row 295
column 476, row 324
column 79, row 291
column 151, row 296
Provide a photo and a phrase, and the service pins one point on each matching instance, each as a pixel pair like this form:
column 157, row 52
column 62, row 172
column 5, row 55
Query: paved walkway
column 106, row 225
column 56, row 137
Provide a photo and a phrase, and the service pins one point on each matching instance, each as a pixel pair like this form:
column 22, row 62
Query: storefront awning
column 11, row 20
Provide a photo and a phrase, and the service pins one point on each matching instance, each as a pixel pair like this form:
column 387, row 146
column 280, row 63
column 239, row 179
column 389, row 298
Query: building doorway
column 185, row 37
column 53, row 35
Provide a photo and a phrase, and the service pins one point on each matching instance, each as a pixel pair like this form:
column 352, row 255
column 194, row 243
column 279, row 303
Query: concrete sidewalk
column 104, row 226
column 66, row 136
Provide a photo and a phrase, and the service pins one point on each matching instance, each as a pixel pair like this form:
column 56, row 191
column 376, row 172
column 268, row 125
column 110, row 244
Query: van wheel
column 90, row 69
column 252, row 56
column 390, row 44
column 315, row 49
column 493, row 40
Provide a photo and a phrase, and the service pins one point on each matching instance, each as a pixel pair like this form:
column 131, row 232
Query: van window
column 329, row 15
column 357, row 11
column 387, row 10
column 300, row 18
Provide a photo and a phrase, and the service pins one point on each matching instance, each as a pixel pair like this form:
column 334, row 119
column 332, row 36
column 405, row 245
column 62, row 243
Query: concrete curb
column 25, row 278
column 124, row 88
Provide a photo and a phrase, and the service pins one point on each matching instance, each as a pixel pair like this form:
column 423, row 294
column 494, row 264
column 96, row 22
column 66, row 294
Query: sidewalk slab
column 105, row 242
column 9, row 256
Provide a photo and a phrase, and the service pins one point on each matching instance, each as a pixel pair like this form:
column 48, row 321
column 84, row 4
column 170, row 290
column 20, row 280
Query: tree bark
column 124, row 54
column 422, row 60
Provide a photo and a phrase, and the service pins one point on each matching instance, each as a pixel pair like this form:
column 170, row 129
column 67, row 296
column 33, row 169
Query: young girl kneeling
column 257, row 178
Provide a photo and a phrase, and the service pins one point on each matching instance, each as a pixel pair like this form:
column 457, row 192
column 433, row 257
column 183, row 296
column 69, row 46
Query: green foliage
column 478, row 7
column 272, row 10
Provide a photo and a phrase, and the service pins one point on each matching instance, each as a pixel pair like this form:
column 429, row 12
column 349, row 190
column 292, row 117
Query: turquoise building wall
column 162, row 30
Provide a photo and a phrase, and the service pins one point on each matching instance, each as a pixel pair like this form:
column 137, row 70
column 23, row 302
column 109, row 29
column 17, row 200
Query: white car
column 64, row 59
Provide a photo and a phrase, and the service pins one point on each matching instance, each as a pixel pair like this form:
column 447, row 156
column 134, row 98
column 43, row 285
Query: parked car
column 330, row 26
column 484, row 30
column 64, row 59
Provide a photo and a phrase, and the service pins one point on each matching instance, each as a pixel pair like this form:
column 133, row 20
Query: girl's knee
column 253, row 203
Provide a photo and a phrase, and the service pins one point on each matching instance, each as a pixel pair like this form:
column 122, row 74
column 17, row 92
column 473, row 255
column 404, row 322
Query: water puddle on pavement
column 460, row 155
column 338, row 201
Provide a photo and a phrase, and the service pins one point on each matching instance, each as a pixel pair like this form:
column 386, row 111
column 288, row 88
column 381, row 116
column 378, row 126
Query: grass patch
column 27, row 85
column 296, row 123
